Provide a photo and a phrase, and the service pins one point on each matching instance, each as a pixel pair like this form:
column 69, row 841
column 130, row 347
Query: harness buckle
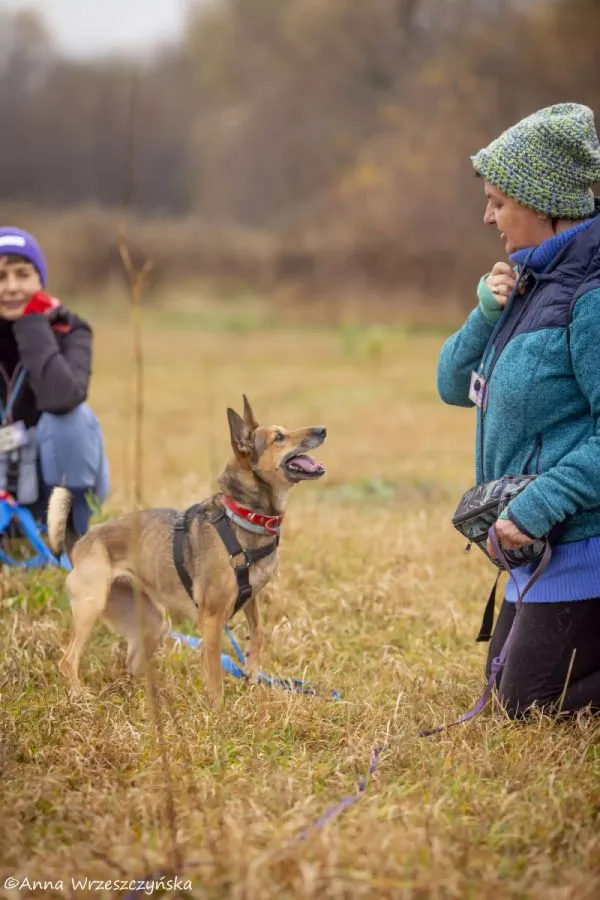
column 240, row 552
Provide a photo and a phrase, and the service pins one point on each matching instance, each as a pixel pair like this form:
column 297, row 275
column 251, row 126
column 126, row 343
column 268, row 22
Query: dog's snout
column 320, row 432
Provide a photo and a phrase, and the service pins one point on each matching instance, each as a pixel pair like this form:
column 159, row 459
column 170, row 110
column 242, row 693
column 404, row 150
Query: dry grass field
column 375, row 598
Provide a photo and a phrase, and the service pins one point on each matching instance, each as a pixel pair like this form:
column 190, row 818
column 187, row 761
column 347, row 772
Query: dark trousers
column 540, row 655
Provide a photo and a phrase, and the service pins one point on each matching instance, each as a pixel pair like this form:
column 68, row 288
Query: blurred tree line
column 342, row 129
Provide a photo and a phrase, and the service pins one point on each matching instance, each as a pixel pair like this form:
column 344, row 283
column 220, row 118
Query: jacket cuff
column 491, row 309
column 531, row 529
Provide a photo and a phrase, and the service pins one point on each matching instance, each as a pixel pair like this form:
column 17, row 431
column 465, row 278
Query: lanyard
column 12, row 391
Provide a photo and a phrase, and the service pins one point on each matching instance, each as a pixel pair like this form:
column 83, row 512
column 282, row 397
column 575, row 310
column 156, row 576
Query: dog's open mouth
column 300, row 465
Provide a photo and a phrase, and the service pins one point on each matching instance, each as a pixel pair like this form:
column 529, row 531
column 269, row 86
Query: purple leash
column 345, row 802
column 496, row 668
column 499, row 661
column 320, row 822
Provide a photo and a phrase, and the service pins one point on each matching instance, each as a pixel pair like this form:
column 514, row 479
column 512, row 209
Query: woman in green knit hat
column 528, row 359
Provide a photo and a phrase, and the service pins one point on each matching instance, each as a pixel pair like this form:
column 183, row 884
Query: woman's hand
column 501, row 282
column 40, row 302
column 509, row 537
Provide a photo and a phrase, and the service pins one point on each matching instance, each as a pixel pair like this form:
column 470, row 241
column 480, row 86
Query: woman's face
column 19, row 280
column 519, row 226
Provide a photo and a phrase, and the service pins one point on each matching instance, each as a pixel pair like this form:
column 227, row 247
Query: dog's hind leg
column 131, row 613
column 252, row 614
column 87, row 586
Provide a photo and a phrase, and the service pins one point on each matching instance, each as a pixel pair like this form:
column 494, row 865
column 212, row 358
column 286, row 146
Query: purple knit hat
column 21, row 243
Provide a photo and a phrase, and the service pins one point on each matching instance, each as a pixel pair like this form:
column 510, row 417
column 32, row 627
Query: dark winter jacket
column 56, row 352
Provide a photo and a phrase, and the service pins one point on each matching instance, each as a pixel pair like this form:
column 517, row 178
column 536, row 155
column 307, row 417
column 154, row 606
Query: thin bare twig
column 567, row 680
column 136, row 281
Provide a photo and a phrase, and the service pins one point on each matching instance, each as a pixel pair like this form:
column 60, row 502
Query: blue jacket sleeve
column 460, row 354
column 574, row 484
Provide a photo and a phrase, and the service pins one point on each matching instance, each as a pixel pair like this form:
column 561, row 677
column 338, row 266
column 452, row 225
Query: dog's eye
column 279, row 436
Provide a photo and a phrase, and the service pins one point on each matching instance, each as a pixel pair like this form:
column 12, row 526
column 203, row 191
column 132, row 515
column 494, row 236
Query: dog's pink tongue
column 305, row 464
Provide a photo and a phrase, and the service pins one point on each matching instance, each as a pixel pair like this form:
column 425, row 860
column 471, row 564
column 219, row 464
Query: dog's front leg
column 256, row 639
column 211, row 628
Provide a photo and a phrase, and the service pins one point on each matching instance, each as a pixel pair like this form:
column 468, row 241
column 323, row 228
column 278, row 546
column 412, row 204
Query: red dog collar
column 266, row 524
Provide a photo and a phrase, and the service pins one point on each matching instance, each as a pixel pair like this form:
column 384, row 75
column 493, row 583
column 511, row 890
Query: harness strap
column 234, row 548
column 487, row 623
column 180, row 530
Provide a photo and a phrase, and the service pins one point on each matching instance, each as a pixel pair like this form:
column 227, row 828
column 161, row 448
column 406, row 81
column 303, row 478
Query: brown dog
column 131, row 570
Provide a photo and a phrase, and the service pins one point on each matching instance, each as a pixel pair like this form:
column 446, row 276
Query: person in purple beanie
column 49, row 435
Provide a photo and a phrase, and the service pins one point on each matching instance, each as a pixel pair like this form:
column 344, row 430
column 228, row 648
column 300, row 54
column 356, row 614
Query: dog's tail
column 59, row 507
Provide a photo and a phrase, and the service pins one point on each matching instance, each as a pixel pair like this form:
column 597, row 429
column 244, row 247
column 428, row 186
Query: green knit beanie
column 547, row 161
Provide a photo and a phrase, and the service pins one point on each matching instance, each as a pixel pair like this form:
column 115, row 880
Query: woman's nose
column 11, row 283
column 489, row 216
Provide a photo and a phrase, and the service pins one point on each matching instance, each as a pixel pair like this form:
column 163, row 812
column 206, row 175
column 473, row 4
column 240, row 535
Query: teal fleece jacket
column 542, row 364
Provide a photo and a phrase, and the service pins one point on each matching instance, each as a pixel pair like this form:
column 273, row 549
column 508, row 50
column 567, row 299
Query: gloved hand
column 41, row 303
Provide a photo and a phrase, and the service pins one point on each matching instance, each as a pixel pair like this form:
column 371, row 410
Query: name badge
column 478, row 390
column 13, row 437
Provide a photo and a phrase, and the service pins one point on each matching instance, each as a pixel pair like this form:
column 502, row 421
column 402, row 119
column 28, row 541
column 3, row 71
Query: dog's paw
column 215, row 704
column 81, row 695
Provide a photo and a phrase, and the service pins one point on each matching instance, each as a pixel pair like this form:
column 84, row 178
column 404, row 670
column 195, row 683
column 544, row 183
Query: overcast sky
column 89, row 27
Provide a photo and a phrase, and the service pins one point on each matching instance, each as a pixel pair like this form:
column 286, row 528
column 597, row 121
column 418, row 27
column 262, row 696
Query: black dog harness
column 234, row 548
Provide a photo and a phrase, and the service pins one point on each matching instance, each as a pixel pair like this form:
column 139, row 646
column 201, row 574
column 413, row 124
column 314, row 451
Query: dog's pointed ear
column 249, row 417
column 240, row 433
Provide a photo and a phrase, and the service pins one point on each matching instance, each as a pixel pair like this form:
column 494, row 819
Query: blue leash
column 232, row 668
